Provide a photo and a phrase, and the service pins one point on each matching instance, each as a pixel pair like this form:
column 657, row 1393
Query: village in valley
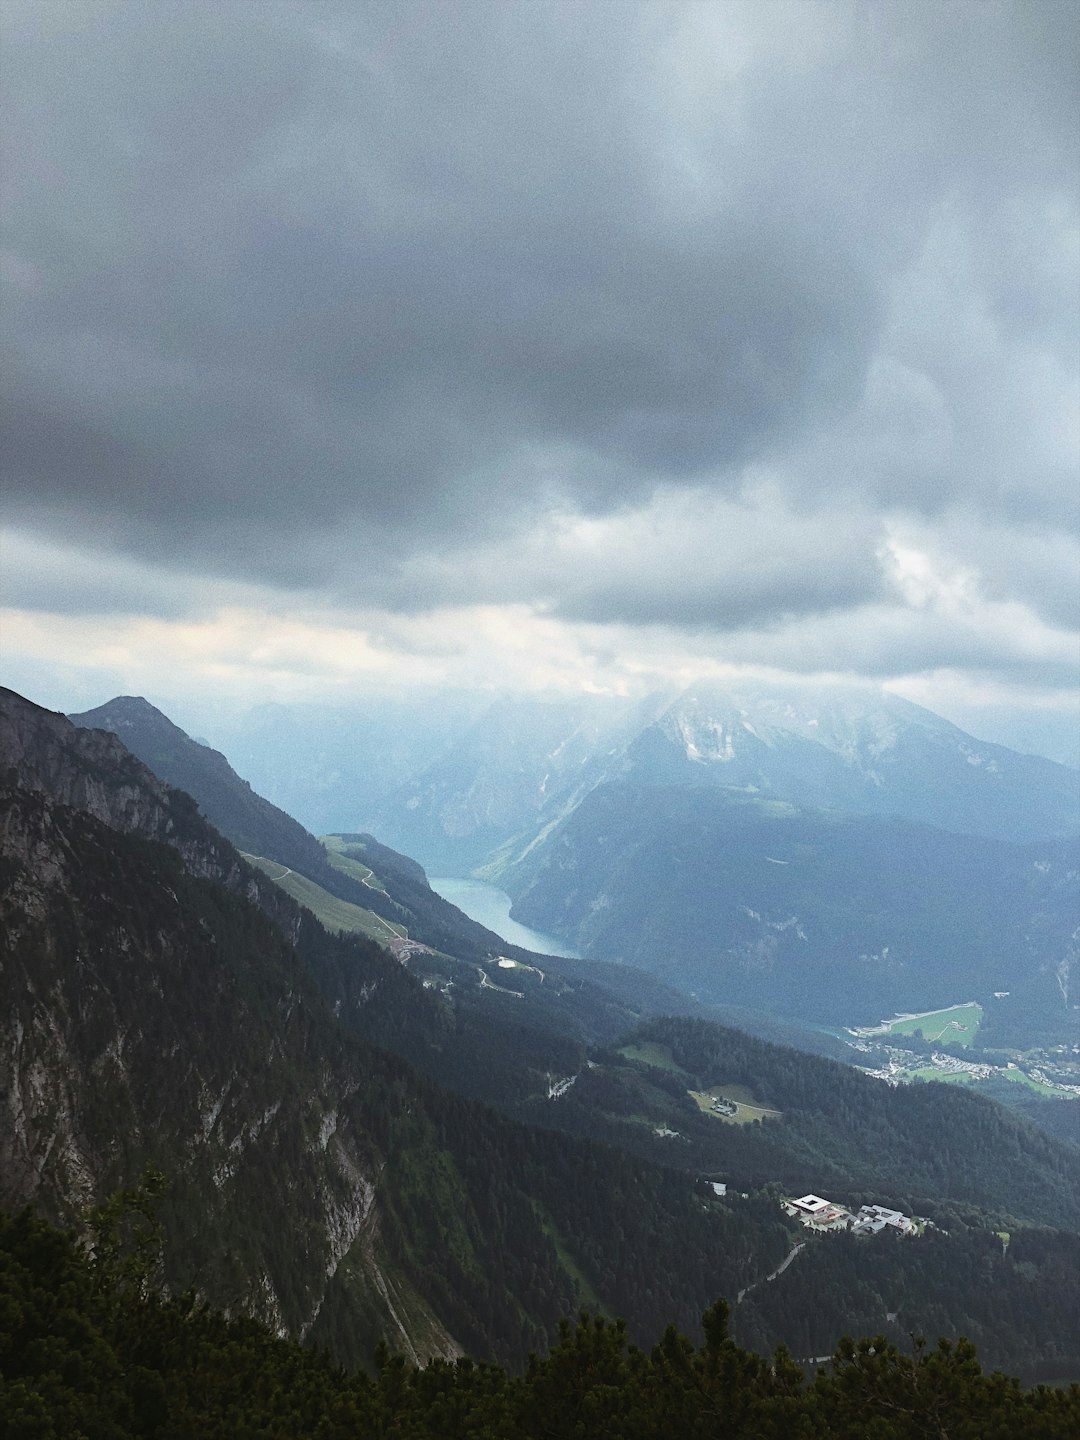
column 1051, row 1071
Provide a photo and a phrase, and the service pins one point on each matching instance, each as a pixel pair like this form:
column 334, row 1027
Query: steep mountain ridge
column 515, row 772
column 402, row 895
column 97, row 774
column 521, row 770
column 840, row 751
column 253, row 825
column 256, row 827
column 330, row 765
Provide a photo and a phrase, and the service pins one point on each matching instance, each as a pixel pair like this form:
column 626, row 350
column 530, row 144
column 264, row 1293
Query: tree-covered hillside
column 837, row 1125
column 87, row 1348
column 837, row 919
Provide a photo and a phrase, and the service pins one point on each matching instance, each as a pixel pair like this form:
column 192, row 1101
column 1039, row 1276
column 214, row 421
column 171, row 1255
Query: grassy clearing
column 1037, row 1085
column 334, row 846
column 958, row 1025
column 746, row 1107
column 337, row 915
column 944, row 1077
column 658, row 1056
column 587, row 1296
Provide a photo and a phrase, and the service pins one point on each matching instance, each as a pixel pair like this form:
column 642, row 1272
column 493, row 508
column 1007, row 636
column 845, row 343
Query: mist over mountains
column 451, row 786
column 842, row 920
column 826, row 854
column 450, row 1140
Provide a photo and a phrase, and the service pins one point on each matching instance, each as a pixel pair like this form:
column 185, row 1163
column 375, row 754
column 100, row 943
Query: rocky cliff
column 150, row 1014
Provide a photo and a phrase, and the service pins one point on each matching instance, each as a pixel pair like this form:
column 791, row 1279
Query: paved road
column 788, row 1258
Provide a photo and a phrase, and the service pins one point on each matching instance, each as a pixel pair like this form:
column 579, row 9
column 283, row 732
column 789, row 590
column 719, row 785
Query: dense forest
column 926, row 1139
column 89, row 1349
column 1023, row 1284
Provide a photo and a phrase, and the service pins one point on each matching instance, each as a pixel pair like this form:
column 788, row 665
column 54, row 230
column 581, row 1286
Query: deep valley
column 463, row 1139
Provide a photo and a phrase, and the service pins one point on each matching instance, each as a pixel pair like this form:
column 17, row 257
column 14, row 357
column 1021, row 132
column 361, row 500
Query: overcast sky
column 550, row 346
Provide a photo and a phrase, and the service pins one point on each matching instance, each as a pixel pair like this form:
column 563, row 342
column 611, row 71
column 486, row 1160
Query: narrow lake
column 491, row 907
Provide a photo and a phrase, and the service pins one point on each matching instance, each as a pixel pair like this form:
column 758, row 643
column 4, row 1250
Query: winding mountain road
column 788, row 1258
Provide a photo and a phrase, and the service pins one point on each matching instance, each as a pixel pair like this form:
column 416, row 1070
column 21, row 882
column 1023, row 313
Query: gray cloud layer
column 365, row 295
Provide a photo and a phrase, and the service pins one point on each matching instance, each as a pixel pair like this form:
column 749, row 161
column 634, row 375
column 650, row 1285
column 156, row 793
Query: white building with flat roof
column 814, row 1211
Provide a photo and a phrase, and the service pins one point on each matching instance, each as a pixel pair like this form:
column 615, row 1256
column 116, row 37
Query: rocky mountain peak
column 88, row 770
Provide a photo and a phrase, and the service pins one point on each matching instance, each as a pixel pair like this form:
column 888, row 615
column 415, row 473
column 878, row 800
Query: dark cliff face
column 228, row 802
column 90, row 771
column 93, row 771
column 151, row 1012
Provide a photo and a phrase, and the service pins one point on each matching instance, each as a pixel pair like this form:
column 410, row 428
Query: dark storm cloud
column 756, row 589
column 689, row 557
column 302, row 291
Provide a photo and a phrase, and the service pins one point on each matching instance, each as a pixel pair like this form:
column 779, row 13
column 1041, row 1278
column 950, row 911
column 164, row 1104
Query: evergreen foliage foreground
column 88, row 1350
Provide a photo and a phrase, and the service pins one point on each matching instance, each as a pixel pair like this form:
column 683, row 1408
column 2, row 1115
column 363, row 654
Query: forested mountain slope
column 88, row 1351
column 826, row 1126
column 839, row 919
column 154, row 1014
column 607, row 1000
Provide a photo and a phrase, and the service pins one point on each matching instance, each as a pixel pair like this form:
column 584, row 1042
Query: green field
column 335, row 914
column 658, row 1056
column 928, row 1072
column 942, row 1077
column 1037, row 1085
column 958, row 1025
column 335, row 846
column 747, row 1107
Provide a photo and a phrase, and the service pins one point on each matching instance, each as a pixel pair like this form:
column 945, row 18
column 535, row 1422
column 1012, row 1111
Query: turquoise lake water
column 490, row 906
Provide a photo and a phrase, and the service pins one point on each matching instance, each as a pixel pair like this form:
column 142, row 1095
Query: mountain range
column 454, row 1143
column 831, row 854
column 839, row 919
column 480, row 788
